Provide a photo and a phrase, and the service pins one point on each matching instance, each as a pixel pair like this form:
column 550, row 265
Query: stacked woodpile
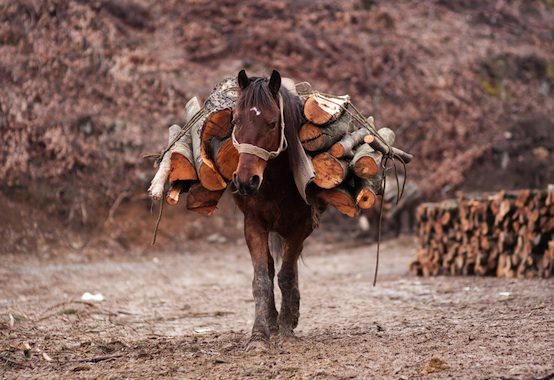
column 507, row 234
column 346, row 151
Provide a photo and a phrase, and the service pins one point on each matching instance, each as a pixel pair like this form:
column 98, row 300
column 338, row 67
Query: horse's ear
column 243, row 79
column 275, row 82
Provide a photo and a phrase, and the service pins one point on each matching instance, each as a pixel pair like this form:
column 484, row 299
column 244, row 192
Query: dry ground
column 187, row 315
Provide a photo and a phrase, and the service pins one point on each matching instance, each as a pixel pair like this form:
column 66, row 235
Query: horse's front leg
column 262, row 284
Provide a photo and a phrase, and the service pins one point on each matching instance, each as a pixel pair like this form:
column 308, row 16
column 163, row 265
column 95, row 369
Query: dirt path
column 184, row 315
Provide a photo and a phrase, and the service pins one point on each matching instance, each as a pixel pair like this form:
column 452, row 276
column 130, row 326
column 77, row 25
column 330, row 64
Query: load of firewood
column 345, row 149
column 507, row 234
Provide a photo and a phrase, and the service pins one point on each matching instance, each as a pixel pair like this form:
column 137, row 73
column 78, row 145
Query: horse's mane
column 258, row 94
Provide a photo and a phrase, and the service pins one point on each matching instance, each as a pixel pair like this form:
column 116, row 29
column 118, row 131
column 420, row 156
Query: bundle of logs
column 508, row 234
column 346, row 155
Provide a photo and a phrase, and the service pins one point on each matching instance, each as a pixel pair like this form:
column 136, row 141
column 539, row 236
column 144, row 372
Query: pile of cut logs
column 507, row 234
column 346, row 156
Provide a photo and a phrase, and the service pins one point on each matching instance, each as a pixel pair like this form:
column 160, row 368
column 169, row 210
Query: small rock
column 96, row 297
column 216, row 239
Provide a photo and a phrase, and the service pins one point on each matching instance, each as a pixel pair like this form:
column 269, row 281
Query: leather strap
column 261, row 152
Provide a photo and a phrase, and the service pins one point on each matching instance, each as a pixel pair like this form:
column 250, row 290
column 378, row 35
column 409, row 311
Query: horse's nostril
column 254, row 181
column 235, row 180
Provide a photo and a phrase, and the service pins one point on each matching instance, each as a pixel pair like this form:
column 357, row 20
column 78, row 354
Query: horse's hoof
column 257, row 346
column 288, row 336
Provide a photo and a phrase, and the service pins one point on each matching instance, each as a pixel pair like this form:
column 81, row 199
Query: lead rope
column 158, row 221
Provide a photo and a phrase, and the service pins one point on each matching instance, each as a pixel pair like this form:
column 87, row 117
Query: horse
column 266, row 116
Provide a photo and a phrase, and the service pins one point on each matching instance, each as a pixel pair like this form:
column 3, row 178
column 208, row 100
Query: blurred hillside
column 88, row 87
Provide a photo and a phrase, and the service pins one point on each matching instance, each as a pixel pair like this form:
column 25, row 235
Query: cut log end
column 365, row 198
column 181, row 169
column 173, row 195
column 329, row 171
column 315, row 112
column 365, row 167
column 368, row 139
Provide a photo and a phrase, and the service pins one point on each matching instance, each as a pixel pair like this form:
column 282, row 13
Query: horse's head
column 258, row 132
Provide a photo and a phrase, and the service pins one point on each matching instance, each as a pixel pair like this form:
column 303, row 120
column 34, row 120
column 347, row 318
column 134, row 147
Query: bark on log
column 329, row 171
column 158, row 182
column 225, row 156
column 320, row 110
column 345, row 147
column 366, row 160
column 182, row 158
column 202, row 200
column 316, row 138
column 341, row 199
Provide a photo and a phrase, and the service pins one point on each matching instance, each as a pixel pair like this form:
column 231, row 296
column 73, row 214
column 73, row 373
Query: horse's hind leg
column 262, row 285
column 288, row 282
column 272, row 313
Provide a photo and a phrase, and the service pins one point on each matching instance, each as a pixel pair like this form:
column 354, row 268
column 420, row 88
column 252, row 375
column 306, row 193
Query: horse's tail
column 276, row 246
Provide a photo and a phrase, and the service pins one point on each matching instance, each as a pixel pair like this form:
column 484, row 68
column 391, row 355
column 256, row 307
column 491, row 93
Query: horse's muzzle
column 250, row 187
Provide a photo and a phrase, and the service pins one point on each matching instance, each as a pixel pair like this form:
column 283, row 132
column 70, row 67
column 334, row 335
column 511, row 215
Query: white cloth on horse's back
column 302, row 168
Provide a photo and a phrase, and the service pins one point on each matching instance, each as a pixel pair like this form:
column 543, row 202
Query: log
column 181, row 169
column 174, row 192
column 217, row 125
column 345, row 147
column 341, row 199
column 329, row 171
column 321, row 110
column 202, row 200
column 225, row 156
column 316, row 139
column 368, row 139
column 207, row 174
column 366, row 160
column 379, row 146
column 182, row 158
column 366, row 191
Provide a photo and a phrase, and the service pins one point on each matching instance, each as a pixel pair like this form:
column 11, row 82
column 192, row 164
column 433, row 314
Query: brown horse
column 265, row 117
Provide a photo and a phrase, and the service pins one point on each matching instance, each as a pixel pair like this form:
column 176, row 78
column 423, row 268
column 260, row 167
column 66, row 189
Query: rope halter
column 261, row 152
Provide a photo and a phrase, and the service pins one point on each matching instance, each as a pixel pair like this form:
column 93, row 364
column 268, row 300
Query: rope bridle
column 261, row 152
